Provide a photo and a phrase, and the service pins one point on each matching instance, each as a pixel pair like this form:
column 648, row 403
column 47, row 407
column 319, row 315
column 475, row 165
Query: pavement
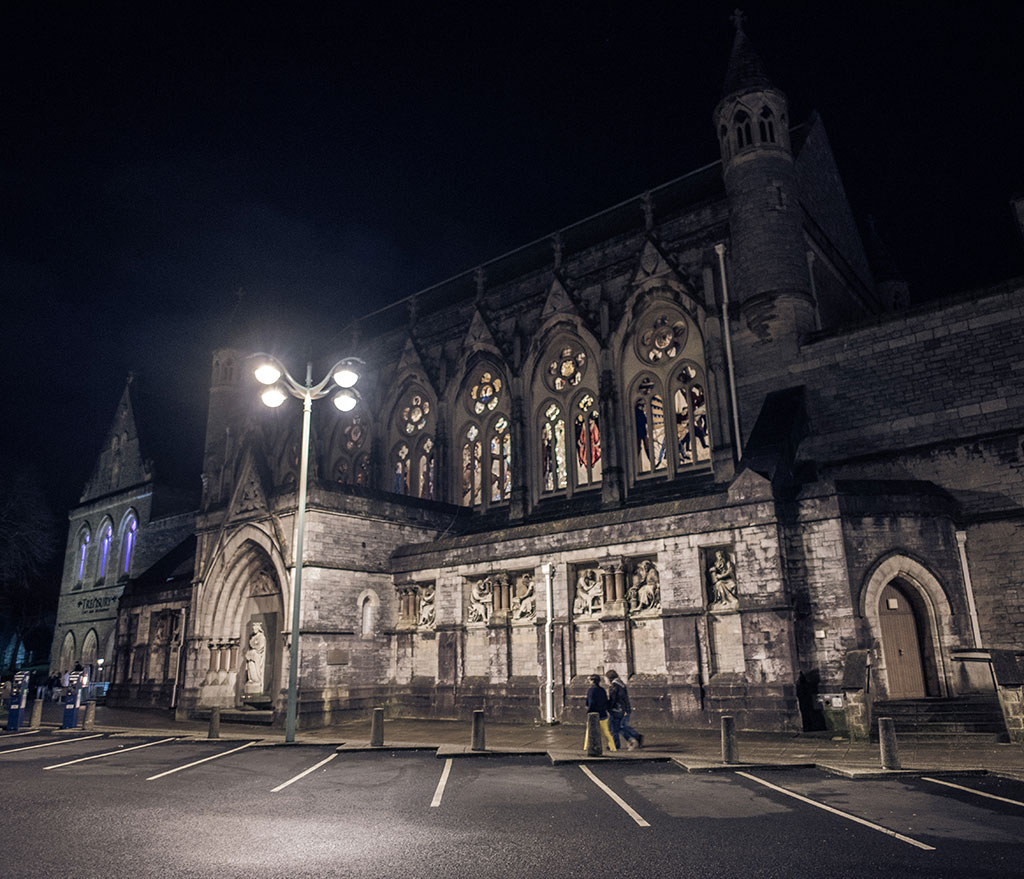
column 693, row 750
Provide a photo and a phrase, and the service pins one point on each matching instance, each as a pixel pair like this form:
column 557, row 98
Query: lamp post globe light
column 279, row 384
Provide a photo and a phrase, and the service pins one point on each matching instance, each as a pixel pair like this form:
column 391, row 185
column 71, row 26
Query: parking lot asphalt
column 113, row 804
column 695, row 750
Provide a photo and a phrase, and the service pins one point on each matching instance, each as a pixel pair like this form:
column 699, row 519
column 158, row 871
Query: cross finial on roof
column 738, row 18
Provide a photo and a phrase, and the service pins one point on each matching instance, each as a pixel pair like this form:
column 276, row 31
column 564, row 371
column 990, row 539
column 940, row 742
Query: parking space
column 230, row 797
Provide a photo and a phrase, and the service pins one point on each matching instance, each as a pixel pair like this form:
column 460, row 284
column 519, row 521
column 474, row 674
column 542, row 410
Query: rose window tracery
column 566, row 370
column 662, row 340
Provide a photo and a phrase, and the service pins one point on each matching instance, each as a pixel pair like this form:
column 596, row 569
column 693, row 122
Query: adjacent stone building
column 693, row 438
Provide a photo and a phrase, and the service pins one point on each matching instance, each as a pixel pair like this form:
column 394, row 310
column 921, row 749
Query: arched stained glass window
column 554, row 472
column 107, row 535
column 402, row 466
column 649, row 427
column 484, row 450
column 472, row 465
column 587, row 436
column 413, row 456
column 501, row 460
column 690, row 404
column 83, row 552
column 425, row 470
column 130, row 534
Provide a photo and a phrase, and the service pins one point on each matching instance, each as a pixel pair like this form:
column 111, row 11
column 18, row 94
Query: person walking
column 597, row 703
column 619, row 710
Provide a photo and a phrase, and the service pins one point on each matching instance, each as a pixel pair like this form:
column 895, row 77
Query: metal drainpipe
column 720, row 250
column 961, row 541
column 549, row 656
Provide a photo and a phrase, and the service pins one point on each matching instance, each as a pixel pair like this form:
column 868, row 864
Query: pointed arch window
column 413, row 465
column 83, row 553
column 667, row 393
column 484, row 450
column 128, row 544
column 351, row 467
column 691, row 413
column 766, row 125
column 744, row 136
column 568, row 422
column 106, row 537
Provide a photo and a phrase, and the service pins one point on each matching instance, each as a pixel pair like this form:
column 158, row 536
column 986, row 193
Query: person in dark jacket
column 597, row 703
column 619, row 710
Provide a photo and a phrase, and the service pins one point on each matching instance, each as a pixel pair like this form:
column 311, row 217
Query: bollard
column 214, row 732
column 377, row 728
column 478, row 732
column 730, row 747
column 592, row 741
column 887, row 743
column 37, row 714
column 90, row 715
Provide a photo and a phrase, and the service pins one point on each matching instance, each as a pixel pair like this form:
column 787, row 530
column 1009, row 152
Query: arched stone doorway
column 911, row 625
column 241, row 618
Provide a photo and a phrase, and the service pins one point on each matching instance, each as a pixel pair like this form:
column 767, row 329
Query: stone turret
column 767, row 253
column 223, row 417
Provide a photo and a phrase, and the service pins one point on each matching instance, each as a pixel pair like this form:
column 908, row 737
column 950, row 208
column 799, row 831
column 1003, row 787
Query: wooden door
column 904, row 669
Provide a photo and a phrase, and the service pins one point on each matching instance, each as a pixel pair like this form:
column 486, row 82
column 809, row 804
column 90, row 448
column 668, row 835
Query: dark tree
column 29, row 587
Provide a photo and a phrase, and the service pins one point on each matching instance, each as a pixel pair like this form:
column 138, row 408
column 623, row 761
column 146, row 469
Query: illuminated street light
column 280, row 383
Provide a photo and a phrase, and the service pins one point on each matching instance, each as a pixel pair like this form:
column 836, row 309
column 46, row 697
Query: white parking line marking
column 434, row 803
column 11, row 735
column 204, row 760
column 842, row 814
column 303, row 774
column 621, row 802
column 49, row 744
column 109, row 753
column 971, row 790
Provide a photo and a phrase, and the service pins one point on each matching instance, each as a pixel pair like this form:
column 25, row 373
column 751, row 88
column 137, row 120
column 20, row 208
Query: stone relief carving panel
column 588, row 600
column 428, row 619
column 524, row 599
column 645, row 591
column 720, row 579
column 481, row 600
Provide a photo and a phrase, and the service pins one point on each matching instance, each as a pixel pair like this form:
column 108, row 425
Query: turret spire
column 746, row 70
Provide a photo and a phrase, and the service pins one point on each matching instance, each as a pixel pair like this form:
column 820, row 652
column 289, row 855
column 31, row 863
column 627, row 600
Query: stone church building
column 699, row 438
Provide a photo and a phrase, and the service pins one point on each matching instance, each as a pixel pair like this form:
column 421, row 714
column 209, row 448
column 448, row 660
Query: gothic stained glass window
column 566, row 370
column 425, row 470
column 414, row 414
column 401, row 473
column 500, row 447
column 472, row 463
column 692, row 432
column 649, row 427
column 554, row 470
column 129, row 545
column 342, row 471
column 108, row 536
column 362, row 470
column 485, row 393
column 662, row 340
column 83, row 551
column 587, row 438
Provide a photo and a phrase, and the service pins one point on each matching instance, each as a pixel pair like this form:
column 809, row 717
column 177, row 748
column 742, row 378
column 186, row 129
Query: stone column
column 608, row 405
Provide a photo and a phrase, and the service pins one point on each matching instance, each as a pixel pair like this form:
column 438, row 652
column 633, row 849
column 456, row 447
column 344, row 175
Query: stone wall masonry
column 936, row 386
column 996, row 563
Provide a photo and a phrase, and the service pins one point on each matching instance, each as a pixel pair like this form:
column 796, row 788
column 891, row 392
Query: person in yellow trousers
column 597, row 702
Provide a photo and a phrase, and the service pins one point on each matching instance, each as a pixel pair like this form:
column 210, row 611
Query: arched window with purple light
column 107, row 532
column 128, row 544
column 83, row 552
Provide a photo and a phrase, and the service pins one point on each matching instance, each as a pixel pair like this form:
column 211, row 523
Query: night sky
column 169, row 172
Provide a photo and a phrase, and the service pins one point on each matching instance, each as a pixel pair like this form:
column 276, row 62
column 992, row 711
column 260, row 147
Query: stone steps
column 936, row 719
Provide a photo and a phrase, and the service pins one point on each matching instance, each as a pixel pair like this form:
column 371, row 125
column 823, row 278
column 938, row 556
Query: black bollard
column 890, row 752
column 592, row 742
column 730, row 748
column 377, row 728
column 214, row 732
column 478, row 732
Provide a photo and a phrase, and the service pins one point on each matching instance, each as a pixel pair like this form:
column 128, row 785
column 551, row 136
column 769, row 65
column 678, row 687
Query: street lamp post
column 279, row 384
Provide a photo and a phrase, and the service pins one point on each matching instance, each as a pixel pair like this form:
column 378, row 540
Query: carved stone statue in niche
column 645, row 593
column 481, row 601
column 721, row 578
column 256, row 661
column 427, row 618
column 524, row 601
column 589, row 600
